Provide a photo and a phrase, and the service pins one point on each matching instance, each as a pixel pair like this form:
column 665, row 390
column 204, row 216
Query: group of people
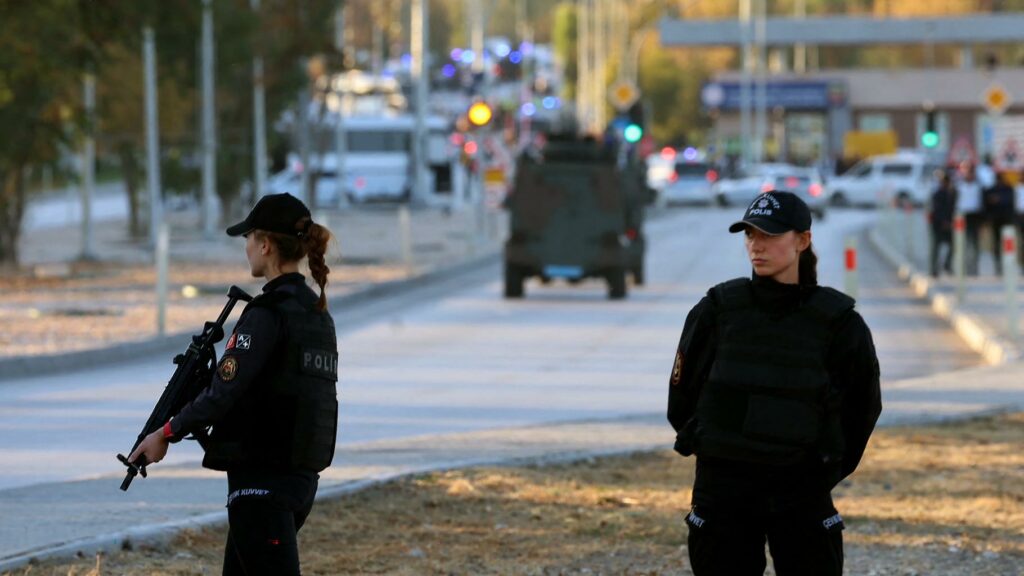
column 987, row 201
column 774, row 389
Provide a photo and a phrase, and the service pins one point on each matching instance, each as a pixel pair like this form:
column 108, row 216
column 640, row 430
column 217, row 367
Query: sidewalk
column 59, row 305
column 981, row 319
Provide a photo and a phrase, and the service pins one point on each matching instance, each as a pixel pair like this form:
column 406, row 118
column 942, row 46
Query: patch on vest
column 322, row 363
column 677, row 369
column 239, row 342
column 228, row 369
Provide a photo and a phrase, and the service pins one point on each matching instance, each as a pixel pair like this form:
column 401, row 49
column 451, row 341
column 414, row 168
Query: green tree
column 45, row 49
column 563, row 39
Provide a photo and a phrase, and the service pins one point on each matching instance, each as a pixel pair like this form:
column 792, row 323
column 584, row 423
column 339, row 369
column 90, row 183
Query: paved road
column 460, row 362
column 472, row 360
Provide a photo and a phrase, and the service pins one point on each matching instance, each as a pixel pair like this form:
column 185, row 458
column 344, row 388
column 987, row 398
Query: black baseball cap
column 775, row 212
column 279, row 213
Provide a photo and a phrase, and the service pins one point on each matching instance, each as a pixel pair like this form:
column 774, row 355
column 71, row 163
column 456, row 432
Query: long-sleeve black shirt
column 250, row 347
column 853, row 370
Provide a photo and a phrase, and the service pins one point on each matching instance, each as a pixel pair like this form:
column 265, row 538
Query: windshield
column 381, row 141
column 696, row 169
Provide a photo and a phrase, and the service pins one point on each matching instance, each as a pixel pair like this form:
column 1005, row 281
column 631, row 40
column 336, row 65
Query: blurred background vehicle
column 742, row 186
column 905, row 178
column 690, row 180
column 805, row 183
column 575, row 214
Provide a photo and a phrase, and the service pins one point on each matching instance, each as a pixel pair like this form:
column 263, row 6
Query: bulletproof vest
column 289, row 419
column 767, row 398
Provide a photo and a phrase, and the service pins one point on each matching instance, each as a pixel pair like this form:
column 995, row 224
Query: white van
column 905, row 178
column 377, row 161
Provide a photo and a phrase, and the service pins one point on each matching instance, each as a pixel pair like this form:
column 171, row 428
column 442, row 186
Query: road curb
column 995, row 349
column 44, row 364
column 160, row 535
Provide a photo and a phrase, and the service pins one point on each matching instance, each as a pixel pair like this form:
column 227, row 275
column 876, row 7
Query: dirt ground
column 944, row 499
column 103, row 304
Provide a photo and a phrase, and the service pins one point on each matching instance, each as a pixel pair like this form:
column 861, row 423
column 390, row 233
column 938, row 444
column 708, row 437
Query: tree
column 45, row 48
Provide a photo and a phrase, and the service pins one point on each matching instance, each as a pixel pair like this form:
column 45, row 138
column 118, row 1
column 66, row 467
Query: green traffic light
column 929, row 139
column 633, row 133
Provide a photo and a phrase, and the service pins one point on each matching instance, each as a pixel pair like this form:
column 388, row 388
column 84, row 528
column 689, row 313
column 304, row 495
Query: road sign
column 962, row 151
column 623, row 94
column 1009, row 156
column 1007, row 138
column 996, row 98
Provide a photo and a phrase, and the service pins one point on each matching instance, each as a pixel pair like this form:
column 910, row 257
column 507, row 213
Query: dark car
column 574, row 214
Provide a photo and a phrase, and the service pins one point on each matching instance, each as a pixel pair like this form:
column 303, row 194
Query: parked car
column 904, row 179
column 805, row 183
column 740, row 188
column 290, row 180
column 689, row 183
column 659, row 170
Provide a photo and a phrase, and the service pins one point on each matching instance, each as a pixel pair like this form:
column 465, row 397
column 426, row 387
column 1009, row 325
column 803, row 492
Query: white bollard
column 405, row 235
column 163, row 244
column 959, row 245
column 850, row 278
column 1010, row 273
column 908, row 231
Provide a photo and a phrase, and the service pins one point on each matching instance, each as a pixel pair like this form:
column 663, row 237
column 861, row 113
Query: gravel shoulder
column 942, row 499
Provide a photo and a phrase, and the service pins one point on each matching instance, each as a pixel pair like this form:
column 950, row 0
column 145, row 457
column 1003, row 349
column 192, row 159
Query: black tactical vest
column 767, row 398
column 289, row 419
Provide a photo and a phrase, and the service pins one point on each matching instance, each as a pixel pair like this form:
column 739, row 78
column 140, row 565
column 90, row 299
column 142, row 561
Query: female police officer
column 272, row 403
column 775, row 389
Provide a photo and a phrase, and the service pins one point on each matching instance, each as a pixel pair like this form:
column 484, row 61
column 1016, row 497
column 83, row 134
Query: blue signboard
column 791, row 95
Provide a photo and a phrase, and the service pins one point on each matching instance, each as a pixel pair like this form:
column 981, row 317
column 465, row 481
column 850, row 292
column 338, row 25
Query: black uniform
column 775, row 388
column 273, row 409
column 943, row 210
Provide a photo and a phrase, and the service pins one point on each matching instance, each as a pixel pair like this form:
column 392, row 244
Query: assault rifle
column 193, row 374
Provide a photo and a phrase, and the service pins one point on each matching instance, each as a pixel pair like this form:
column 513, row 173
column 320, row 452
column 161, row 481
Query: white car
column 905, row 178
column 689, row 183
column 742, row 187
column 290, row 180
column 805, row 183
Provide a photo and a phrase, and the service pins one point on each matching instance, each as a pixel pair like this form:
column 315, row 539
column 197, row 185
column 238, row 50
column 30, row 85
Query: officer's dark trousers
column 262, row 534
column 731, row 542
column 737, row 507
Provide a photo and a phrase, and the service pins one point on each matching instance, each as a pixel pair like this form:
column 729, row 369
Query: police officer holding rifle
column 271, row 405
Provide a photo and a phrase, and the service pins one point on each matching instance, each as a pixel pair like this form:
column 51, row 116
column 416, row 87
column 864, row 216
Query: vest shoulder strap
column 829, row 303
column 732, row 295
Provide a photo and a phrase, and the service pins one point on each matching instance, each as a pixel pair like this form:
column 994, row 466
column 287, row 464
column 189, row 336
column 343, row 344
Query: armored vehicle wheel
column 638, row 275
column 513, row 281
column 617, row 284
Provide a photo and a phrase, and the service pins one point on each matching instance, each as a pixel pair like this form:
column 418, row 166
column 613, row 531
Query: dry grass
column 945, row 499
column 99, row 305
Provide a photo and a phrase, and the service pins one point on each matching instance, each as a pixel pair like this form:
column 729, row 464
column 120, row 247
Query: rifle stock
column 194, row 372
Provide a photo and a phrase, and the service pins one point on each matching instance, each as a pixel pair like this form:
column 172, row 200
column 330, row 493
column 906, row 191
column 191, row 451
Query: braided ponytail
column 314, row 243
column 310, row 240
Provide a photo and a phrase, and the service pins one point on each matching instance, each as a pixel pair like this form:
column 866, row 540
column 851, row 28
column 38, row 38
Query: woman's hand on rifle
column 153, row 447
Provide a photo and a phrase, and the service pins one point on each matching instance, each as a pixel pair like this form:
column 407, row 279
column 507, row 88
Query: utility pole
column 88, row 183
column 744, row 81
column 209, row 137
column 259, row 121
column 340, row 139
column 800, row 50
column 760, row 93
column 420, row 75
column 600, row 47
column 583, row 69
column 152, row 136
